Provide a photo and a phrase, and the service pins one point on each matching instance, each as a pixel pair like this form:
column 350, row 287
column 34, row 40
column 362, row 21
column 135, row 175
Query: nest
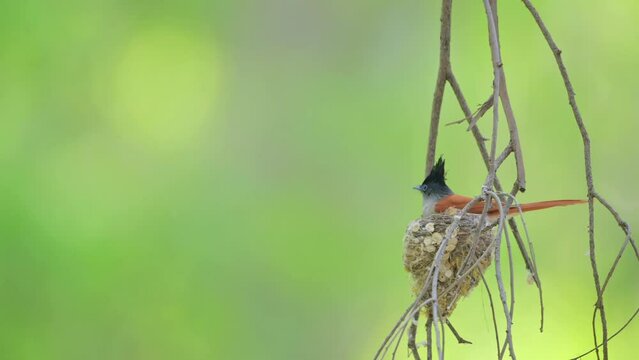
column 421, row 243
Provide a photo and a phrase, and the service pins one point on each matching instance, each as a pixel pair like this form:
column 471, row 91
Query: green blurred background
column 232, row 179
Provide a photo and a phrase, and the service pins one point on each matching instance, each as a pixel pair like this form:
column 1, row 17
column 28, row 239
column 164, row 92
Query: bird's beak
column 420, row 187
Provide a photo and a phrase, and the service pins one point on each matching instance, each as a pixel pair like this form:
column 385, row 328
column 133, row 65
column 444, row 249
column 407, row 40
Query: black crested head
column 435, row 182
column 437, row 174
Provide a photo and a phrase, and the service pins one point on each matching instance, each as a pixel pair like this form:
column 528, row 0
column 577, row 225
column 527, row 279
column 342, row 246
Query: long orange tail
column 537, row 206
column 459, row 202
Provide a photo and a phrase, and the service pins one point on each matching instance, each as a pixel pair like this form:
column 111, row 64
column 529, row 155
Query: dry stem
column 592, row 194
column 445, row 75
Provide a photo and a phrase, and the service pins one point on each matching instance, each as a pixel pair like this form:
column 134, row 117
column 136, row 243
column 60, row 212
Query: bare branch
column 479, row 138
column 484, row 153
column 460, row 339
column 492, row 310
column 502, row 157
column 436, row 265
column 622, row 224
column 387, row 340
column 429, row 338
column 594, row 331
column 496, row 57
column 475, row 116
column 615, row 263
column 610, row 338
column 411, row 337
column 444, row 64
column 498, row 275
column 589, row 180
column 443, row 338
column 493, row 162
column 501, row 91
column 514, row 133
column 533, row 268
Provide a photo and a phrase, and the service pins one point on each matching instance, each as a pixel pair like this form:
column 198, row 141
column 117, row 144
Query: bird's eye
column 421, row 187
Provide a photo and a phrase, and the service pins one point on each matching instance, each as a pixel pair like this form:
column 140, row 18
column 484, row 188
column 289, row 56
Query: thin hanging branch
column 479, row 140
column 493, row 162
column 459, row 338
column 612, row 336
column 445, row 74
column 411, row 337
column 500, row 282
column 444, row 65
column 492, row 311
column 429, row 338
column 592, row 193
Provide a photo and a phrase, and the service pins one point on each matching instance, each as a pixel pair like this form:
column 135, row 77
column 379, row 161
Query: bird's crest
column 437, row 174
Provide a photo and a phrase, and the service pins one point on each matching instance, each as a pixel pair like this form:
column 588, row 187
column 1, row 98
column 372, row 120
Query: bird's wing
column 459, row 201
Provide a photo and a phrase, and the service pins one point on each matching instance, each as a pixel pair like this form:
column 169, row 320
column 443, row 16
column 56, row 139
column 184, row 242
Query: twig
column 401, row 334
column 492, row 310
column 504, row 154
column 530, row 263
column 429, row 338
column 475, row 116
column 460, row 339
column 615, row 263
column 392, row 332
column 498, row 275
column 496, row 57
column 436, row 265
column 444, row 64
column 511, row 275
column 500, row 91
column 443, row 338
column 493, row 162
column 593, row 262
column 514, row 133
column 622, row 224
column 594, row 331
column 397, row 335
column 402, row 323
column 589, row 179
column 475, row 241
column 479, row 140
column 533, row 269
column 611, row 337
column 484, row 153
column 480, row 112
column 510, row 272
column 411, row 337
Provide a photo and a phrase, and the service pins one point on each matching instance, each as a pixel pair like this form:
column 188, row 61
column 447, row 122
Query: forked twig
column 474, row 117
column 493, row 162
column 592, row 194
column 460, row 339
column 611, row 337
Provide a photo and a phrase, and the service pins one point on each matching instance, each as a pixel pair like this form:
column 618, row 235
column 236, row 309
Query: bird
column 438, row 197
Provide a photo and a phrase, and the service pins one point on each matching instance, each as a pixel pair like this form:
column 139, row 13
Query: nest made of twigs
column 422, row 241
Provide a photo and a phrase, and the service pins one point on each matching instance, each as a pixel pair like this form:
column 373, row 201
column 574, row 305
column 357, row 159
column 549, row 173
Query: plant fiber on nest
column 421, row 243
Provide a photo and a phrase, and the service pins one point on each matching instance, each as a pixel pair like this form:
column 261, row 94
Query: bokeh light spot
column 164, row 87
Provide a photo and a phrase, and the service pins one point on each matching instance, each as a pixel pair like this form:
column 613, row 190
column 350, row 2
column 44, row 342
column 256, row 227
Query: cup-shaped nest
column 464, row 249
